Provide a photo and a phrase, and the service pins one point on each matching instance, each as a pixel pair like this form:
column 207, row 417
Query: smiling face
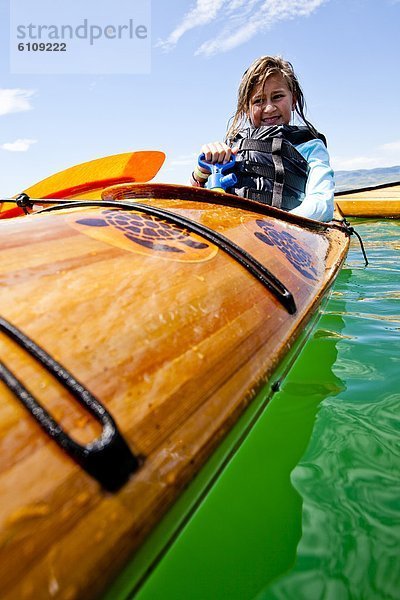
column 273, row 104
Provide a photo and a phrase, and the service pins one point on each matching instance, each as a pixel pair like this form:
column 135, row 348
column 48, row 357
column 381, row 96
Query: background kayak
column 381, row 201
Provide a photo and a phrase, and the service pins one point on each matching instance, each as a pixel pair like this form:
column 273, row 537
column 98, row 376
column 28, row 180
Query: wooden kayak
column 381, row 201
column 134, row 332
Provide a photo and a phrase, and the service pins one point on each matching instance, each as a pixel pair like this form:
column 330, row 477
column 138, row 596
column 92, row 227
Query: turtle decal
column 146, row 234
column 287, row 243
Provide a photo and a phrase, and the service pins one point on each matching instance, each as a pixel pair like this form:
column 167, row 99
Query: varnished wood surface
column 379, row 201
column 174, row 344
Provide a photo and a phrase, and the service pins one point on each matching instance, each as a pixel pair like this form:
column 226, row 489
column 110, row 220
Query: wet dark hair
column 255, row 76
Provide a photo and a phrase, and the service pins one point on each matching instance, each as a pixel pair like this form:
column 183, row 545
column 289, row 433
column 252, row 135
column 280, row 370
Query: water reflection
column 246, row 533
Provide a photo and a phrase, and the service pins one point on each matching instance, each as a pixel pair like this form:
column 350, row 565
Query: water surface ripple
column 348, row 478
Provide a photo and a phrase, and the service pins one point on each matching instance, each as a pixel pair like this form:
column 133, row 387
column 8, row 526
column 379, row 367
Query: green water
column 309, row 507
column 349, row 476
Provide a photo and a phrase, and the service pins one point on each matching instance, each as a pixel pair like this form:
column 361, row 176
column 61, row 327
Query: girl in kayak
column 276, row 163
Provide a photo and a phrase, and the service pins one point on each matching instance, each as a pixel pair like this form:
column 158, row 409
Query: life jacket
column 268, row 167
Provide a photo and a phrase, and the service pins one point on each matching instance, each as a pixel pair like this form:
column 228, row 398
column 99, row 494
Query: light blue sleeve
column 318, row 202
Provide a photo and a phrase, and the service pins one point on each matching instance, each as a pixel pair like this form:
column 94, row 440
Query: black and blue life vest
column 268, row 167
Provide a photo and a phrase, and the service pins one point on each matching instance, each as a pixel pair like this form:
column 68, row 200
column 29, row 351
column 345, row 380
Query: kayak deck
column 170, row 332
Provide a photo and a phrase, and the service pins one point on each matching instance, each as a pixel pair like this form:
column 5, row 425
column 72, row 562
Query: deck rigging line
column 344, row 225
column 253, row 266
column 107, row 458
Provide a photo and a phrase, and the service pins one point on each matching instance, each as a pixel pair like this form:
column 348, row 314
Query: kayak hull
column 170, row 332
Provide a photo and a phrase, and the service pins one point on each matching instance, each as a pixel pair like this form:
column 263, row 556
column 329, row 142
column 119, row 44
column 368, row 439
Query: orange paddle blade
column 87, row 180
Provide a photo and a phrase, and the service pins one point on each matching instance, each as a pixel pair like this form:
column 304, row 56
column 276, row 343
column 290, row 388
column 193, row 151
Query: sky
column 176, row 89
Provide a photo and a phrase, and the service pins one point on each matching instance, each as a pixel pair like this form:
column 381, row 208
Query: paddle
column 87, row 180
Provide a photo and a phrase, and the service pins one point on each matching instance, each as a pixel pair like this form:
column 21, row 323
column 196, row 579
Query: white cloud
column 203, row 13
column 15, row 100
column 240, row 21
column 183, row 160
column 21, row 145
column 385, row 155
column 340, row 163
column 391, row 146
column 177, row 169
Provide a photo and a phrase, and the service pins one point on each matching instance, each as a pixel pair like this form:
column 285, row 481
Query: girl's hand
column 218, row 152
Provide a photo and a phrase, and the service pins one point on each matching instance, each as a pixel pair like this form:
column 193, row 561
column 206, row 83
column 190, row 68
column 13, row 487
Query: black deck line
column 253, row 266
column 193, row 194
column 108, row 458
